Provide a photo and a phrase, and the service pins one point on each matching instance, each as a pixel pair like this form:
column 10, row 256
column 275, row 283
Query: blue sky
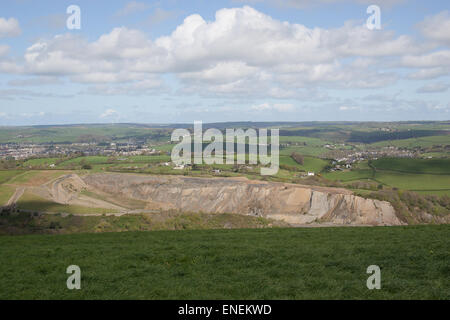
column 180, row 61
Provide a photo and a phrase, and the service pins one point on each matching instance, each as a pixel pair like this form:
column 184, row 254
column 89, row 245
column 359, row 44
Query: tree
column 85, row 165
column 297, row 158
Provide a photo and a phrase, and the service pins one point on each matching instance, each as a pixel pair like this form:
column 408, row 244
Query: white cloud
column 9, row 28
column 348, row 108
column 12, row 94
column 143, row 87
column 284, row 107
column 437, row 27
column 302, row 4
column 433, row 87
column 434, row 59
column 132, row 7
column 430, row 73
column 159, row 16
column 242, row 52
column 36, row 81
column 109, row 113
column 4, row 49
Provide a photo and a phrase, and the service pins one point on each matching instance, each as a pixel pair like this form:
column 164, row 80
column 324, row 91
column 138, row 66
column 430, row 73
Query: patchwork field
column 308, row 263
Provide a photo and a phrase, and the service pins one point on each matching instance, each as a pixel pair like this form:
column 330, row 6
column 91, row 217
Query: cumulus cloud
column 9, row 28
column 434, row 59
column 4, row 49
column 436, row 27
column 242, row 52
column 302, row 4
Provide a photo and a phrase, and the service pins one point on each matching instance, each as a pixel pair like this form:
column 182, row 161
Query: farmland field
column 427, row 176
column 414, row 182
column 415, row 142
column 308, row 263
column 431, row 166
column 309, row 164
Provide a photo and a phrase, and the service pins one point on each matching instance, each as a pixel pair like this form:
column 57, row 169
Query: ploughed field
column 279, row 263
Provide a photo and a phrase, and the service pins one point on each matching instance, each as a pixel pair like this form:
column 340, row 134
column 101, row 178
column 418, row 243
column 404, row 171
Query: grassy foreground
column 309, row 263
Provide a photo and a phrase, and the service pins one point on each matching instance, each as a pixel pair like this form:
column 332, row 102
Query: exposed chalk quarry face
column 292, row 203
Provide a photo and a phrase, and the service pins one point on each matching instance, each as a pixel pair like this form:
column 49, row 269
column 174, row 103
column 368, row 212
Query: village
column 21, row 151
column 347, row 159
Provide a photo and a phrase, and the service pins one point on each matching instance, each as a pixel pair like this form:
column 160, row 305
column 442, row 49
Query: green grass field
column 40, row 162
column 6, row 175
column 23, row 177
column 104, row 161
column 431, row 166
column 89, row 160
column 309, row 163
column 309, row 263
column 6, row 192
column 414, row 182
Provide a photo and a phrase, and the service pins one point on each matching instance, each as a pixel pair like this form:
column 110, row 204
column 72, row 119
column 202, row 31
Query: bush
column 55, row 225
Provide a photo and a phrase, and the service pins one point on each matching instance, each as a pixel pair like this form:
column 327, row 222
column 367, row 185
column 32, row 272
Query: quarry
column 295, row 204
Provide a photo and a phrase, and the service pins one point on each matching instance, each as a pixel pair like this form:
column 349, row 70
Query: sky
column 177, row 61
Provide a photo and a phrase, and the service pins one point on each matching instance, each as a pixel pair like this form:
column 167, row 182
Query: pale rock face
column 292, row 203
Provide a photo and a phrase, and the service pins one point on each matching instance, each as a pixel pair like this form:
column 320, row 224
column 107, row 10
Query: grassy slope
column 6, row 192
column 40, row 161
column 31, row 202
column 6, row 175
column 26, row 223
column 322, row 263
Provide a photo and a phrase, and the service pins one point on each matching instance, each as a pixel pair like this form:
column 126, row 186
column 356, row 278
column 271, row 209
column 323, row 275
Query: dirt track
column 15, row 197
